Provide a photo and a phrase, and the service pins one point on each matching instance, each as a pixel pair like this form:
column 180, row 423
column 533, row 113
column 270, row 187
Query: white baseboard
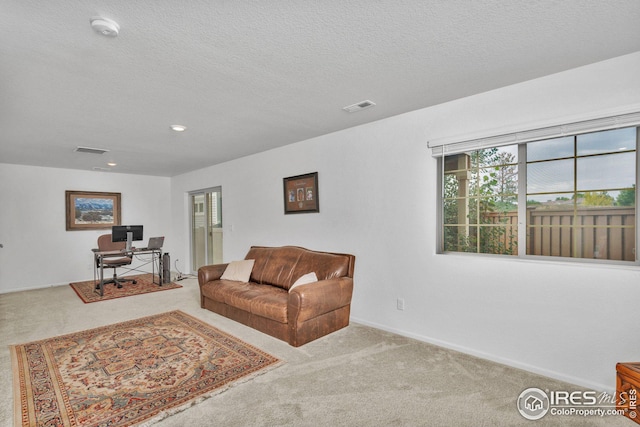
column 32, row 288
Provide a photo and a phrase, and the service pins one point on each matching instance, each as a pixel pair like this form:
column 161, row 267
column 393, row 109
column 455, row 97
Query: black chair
column 113, row 261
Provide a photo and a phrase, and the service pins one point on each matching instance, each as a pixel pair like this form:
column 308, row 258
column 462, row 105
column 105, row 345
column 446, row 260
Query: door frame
column 206, row 192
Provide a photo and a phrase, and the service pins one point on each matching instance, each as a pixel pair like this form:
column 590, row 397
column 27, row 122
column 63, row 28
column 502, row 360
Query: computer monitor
column 126, row 233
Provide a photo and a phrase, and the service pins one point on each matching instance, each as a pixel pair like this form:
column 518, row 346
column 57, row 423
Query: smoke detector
column 105, row 26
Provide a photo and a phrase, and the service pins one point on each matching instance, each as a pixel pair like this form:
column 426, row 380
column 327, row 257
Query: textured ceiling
column 249, row 76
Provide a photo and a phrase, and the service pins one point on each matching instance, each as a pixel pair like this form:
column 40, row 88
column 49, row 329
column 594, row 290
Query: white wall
column 38, row 251
column 378, row 194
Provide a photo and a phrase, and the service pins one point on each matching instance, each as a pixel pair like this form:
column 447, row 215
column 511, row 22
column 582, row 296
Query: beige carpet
column 358, row 376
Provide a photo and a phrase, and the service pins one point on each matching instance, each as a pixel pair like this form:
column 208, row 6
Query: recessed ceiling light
column 178, row 128
column 112, row 164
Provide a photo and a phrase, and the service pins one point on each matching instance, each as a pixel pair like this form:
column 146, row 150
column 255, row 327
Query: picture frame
column 301, row 194
column 92, row 210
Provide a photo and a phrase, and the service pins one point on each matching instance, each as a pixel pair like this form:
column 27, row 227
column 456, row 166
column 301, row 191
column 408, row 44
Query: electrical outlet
column 400, row 303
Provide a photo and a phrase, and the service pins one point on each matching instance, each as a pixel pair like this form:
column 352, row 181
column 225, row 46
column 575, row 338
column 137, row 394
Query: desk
column 156, row 256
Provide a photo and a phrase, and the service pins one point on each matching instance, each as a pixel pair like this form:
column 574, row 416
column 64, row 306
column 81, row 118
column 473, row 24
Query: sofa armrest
column 314, row 299
column 209, row 273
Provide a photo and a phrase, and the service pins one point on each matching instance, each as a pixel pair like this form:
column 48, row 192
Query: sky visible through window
column 604, row 161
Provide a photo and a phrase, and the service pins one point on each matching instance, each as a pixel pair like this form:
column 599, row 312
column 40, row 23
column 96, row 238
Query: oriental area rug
column 144, row 284
column 134, row 372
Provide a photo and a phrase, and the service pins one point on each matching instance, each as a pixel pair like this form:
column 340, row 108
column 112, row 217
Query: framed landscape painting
column 91, row 210
column 301, row 194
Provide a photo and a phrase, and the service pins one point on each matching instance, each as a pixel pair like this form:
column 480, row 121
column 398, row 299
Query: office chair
column 105, row 244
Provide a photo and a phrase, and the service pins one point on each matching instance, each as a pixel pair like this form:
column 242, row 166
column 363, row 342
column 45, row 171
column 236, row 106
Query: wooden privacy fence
column 602, row 232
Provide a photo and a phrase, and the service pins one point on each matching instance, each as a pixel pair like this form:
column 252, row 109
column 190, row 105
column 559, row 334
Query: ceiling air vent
column 359, row 106
column 90, row 150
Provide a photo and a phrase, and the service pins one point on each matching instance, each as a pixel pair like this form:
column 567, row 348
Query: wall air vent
column 97, row 168
column 359, row 106
column 90, row 150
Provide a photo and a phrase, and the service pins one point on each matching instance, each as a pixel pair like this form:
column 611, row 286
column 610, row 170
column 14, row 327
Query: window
column 576, row 195
column 480, row 201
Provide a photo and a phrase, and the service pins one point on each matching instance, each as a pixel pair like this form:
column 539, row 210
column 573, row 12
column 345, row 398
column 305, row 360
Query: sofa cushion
column 238, row 270
column 261, row 300
column 282, row 266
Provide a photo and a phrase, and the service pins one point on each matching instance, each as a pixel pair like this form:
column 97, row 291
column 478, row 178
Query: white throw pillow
column 303, row 280
column 239, row 271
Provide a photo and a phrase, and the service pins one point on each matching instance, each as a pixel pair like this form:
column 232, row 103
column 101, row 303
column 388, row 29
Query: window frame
column 523, row 227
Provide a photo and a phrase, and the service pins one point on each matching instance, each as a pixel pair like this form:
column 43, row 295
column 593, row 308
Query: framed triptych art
column 301, row 194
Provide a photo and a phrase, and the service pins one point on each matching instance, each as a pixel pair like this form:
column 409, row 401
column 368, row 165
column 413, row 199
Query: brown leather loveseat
column 268, row 303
